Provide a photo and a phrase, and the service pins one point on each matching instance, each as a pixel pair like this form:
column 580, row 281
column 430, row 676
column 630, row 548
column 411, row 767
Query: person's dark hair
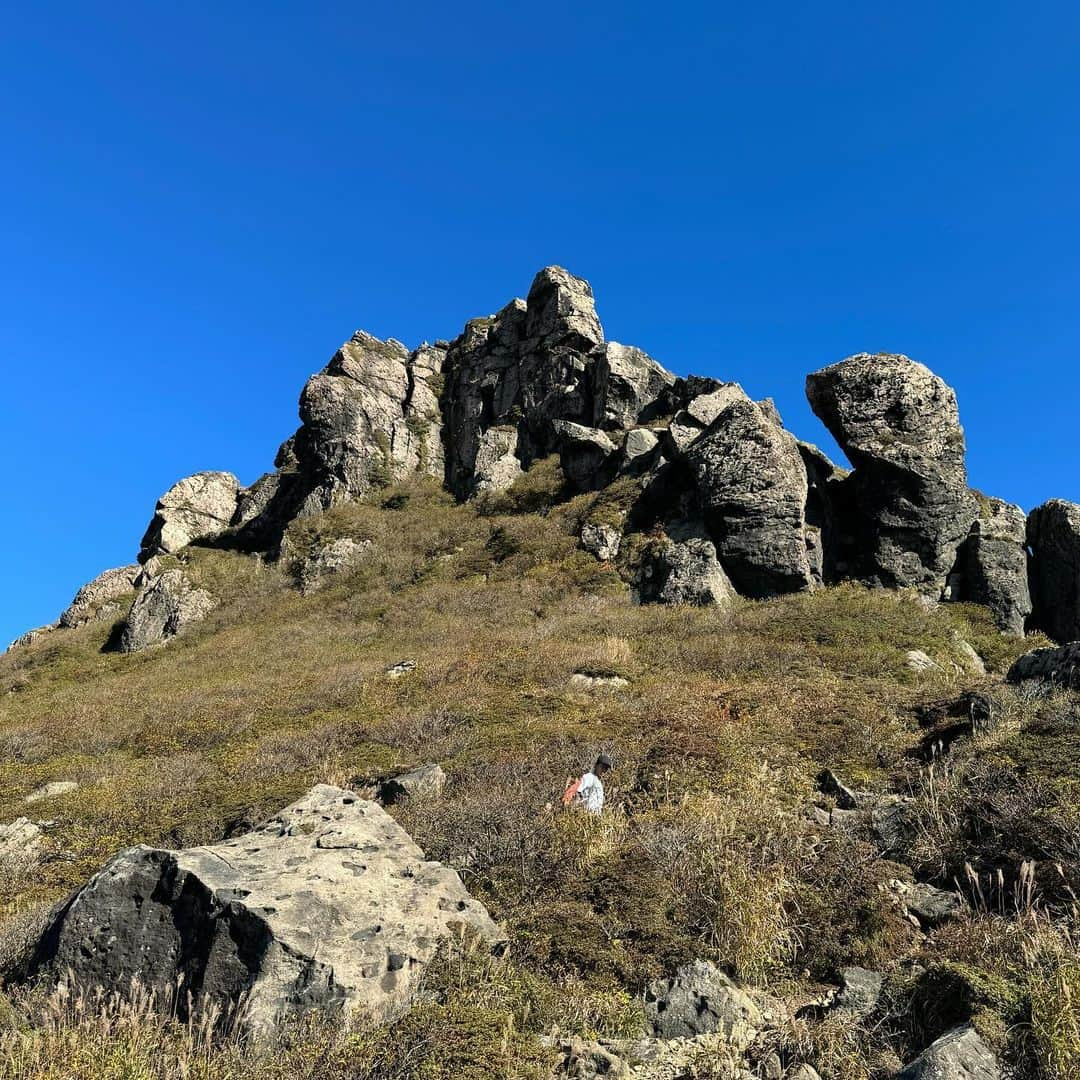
column 603, row 762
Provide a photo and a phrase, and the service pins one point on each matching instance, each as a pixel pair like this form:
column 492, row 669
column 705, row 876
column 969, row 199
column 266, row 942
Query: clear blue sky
column 200, row 201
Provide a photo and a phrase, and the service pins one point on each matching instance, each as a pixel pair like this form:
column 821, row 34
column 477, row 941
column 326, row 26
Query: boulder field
column 733, row 503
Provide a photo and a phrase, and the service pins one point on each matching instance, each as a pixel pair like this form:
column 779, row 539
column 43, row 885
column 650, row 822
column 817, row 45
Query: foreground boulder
column 199, row 507
column 683, row 569
column 1053, row 533
column 899, row 425
column 327, row 906
column 1059, row 667
column 98, row 599
column 165, row 607
column 699, row 1000
column 960, row 1054
column 992, row 567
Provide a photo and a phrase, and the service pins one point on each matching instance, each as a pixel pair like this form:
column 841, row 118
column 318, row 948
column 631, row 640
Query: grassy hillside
column 709, row 848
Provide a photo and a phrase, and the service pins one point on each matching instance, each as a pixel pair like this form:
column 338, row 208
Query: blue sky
column 199, row 202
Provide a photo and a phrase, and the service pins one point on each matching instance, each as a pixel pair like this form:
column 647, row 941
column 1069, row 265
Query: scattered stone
column 20, row 840
column 892, row 823
column 603, row 541
column 168, row 605
column 992, row 565
column 199, row 507
column 960, row 1054
column 752, row 486
column 1059, row 667
column 402, row 667
column 582, row 1059
column 423, row 782
column 1053, row 534
column 917, row 660
column 899, row 425
column 929, row 904
column 847, row 798
column 329, row 905
column 683, row 569
column 97, row 599
column 337, row 557
column 582, row 680
column 860, row 990
column 970, row 660
column 698, row 1000
column 51, row 790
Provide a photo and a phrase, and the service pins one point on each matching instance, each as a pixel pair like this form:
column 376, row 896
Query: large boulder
column 199, row 507
column 166, row 606
column 1053, row 533
column 960, row 1054
column 627, row 384
column 699, row 1000
column 1058, row 667
column 370, row 417
column 899, row 425
column 992, row 567
column 583, row 453
column 683, row 569
column 752, row 488
column 329, row 905
column 98, row 599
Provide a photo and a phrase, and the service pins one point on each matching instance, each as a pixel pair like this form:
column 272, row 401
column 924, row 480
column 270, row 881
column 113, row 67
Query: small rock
column 917, row 660
column 603, row 541
column 20, row 839
column 930, row 904
column 804, row 1072
column 51, row 790
column 97, row 599
column 847, row 798
column 424, row 782
column 402, row 667
column 684, row 569
column 891, row 822
column 970, row 660
column 639, row 443
column 860, row 990
column 581, row 680
column 199, row 507
column 960, row 1054
column 698, row 1000
column 586, row 1060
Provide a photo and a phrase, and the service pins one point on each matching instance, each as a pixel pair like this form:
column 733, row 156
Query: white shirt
column 591, row 793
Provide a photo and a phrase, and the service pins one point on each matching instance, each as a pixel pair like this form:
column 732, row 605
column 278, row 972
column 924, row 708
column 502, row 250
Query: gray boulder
column 51, row 790
column 601, row 540
column 20, row 842
column 370, row 417
column 165, row 607
column 627, row 384
column 683, row 569
column 699, row 1000
column 1059, row 667
column 255, row 501
column 98, row 599
column 960, row 1054
column 899, row 425
column 199, row 507
column 1053, row 533
column 992, row 565
column 698, row 413
column 752, row 487
column 329, row 905
column 423, row 782
column 331, row 559
column 929, row 904
column 583, row 452
column 496, row 466
column 860, row 990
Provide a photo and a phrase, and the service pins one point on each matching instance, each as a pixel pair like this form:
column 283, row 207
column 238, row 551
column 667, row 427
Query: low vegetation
column 709, row 849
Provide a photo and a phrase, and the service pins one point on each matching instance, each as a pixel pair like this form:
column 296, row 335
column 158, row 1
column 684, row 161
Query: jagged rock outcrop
column 329, row 905
column 30, row 637
column 683, row 569
column 98, row 599
column 1053, row 533
column 166, row 606
column 199, row 507
column 960, row 1054
column 992, row 565
column 584, row 453
column 899, row 425
column 752, row 488
column 1059, row 667
column 627, row 383
column 370, row 417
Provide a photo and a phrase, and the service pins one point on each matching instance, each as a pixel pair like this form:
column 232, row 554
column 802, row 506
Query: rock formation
column 199, row 507
column 899, row 425
column 1053, row 533
column 1059, row 667
column 98, row 599
column 327, row 906
column 960, row 1054
column 165, row 607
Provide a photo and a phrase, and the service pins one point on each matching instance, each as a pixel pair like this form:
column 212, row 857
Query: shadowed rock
column 961, row 1054
column 165, row 607
column 1053, row 532
column 683, row 569
column 327, row 906
column 1058, row 667
column 899, row 425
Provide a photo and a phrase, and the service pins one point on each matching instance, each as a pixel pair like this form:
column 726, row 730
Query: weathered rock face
column 601, row 540
column 199, row 507
column 165, row 607
column 369, row 418
column 1053, row 533
column 337, row 557
column 536, row 362
column 961, row 1054
column 899, row 425
column 992, row 566
column 327, row 906
column 752, row 487
column 698, row 1000
column 683, row 569
column 97, row 599
column 424, row 782
column 1059, row 667
column 583, row 452
column 32, row 636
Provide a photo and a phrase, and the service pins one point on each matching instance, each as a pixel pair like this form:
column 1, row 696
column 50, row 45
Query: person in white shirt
column 590, row 793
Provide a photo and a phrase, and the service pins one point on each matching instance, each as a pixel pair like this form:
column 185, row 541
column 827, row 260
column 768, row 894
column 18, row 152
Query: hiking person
column 588, row 792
